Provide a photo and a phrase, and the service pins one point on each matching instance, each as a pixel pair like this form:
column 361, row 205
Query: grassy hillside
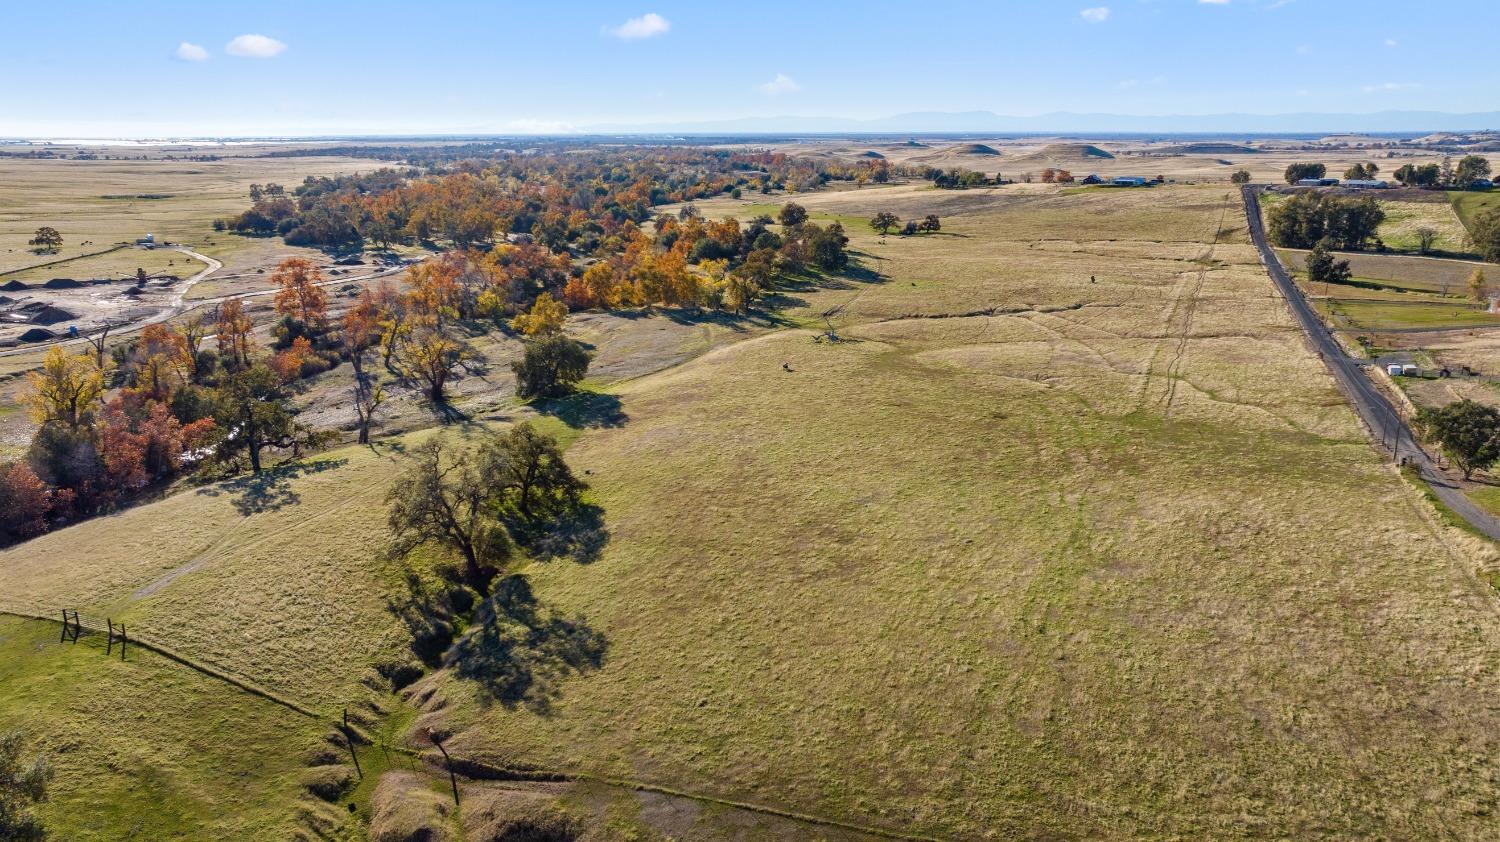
column 1028, row 554
column 1113, row 561
column 144, row 749
column 280, row 579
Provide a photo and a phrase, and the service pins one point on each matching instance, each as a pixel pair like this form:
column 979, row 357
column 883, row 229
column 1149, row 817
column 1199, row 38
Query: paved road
column 1383, row 421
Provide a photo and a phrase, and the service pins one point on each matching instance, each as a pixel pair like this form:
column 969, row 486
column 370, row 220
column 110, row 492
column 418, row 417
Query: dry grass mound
column 1210, row 149
column 515, row 816
column 972, row 149
column 1065, row 153
column 403, row 809
column 328, row 782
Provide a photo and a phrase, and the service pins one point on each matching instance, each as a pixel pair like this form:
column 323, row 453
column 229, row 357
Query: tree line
column 1308, row 219
column 202, row 395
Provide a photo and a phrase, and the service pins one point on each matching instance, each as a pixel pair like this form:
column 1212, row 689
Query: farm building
column 1318, row 182
column 1092, row 178
column 1481, row 184
column 1129, row 181
column 1366, row 184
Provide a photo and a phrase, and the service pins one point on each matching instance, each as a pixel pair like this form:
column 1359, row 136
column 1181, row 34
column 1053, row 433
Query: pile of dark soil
column 49, row 315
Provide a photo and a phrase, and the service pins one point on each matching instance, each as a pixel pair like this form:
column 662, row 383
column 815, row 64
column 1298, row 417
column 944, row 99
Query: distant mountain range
column 1063, row 122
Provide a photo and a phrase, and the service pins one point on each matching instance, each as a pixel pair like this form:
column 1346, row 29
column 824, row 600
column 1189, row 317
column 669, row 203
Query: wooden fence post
column 349, row 740
column 447, row 763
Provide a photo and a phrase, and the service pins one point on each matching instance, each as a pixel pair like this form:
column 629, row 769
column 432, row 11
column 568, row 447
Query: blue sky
column 159, row 68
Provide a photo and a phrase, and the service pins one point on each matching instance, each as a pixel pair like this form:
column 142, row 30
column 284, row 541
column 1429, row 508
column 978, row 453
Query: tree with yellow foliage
column 546, row 316
column 67, row 389
column 431, row 355
column 161, row 361
column 1478, row 290
column 234, row 326
column 740, row 291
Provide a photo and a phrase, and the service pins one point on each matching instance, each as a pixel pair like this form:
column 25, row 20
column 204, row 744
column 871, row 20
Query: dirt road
column 179, row 303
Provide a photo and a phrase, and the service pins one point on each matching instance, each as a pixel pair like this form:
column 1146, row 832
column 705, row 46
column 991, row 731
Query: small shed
column 1394, row 369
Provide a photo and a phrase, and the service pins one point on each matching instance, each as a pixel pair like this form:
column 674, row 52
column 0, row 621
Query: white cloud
column 1389, row 87
column 1304, row 50
column 1096, row 14
column 255, row 46
column 782, row 84
column 1213, row 2
column 648, row 25
column 1390, row 42
column 190, row 52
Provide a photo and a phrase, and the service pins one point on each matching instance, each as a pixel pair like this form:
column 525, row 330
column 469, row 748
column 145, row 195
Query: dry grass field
column 144, row 749
column 1027, row 556
column 1403, row 221
column 107, row 202
column 1069, row 537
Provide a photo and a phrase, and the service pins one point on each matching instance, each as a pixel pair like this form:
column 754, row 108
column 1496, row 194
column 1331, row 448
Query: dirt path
column 179, row 303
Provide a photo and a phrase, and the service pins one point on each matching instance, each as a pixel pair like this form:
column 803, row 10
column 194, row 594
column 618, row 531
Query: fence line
column 470, row 768
column 92, row 625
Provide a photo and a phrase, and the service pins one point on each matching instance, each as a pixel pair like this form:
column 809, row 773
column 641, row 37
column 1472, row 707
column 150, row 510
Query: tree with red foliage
column 145, row 443
column 25, row 502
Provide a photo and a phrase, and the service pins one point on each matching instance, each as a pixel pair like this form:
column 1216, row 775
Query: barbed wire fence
column 77, row 627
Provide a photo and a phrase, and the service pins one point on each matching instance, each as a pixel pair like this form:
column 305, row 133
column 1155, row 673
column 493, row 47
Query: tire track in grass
column 1179, row 351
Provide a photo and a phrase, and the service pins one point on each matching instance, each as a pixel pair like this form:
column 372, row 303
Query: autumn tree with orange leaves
column 160, row 362
column 298, row 295
column 234, row 326
column 361, row 330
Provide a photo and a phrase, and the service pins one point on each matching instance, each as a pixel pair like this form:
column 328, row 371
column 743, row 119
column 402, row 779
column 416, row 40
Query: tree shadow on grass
column 271, row 489
column 577, row 535
column 446, row 412
column 519, row 650
column 586, row 410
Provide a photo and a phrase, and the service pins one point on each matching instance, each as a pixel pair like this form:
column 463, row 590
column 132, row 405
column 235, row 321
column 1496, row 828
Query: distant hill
column 1316, row 124
column 1065, row 153
column 1210, row 149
